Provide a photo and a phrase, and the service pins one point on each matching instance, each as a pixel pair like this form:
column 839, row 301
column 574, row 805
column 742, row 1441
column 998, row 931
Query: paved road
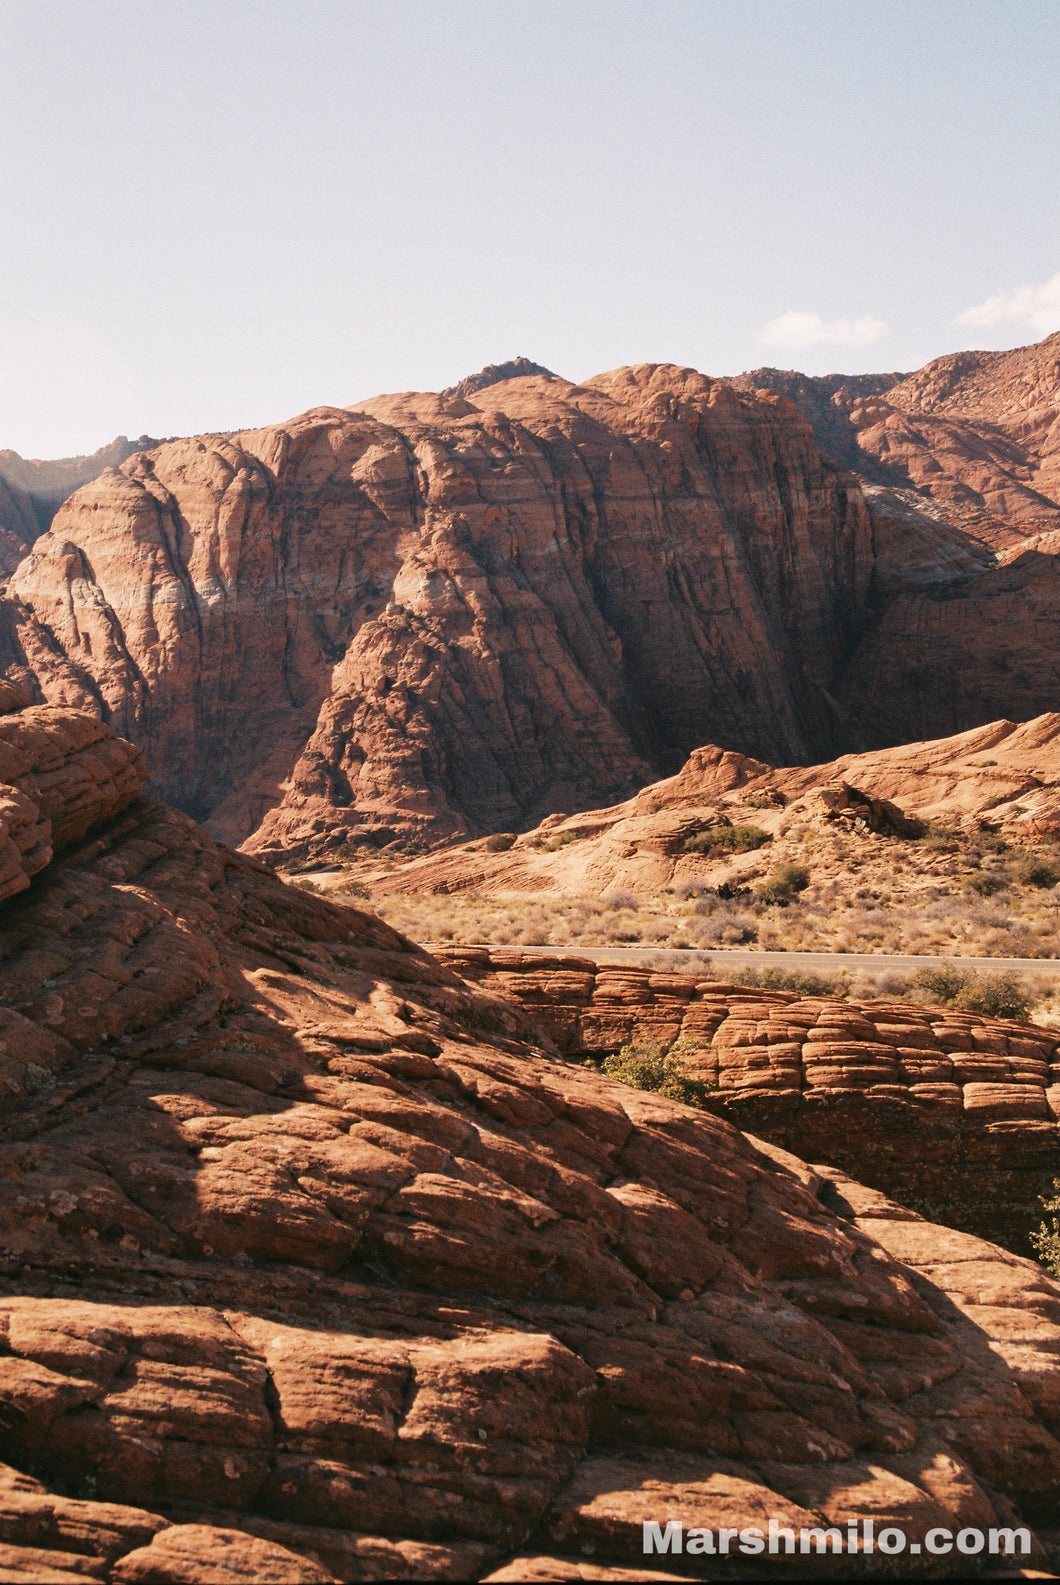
column 720, row 958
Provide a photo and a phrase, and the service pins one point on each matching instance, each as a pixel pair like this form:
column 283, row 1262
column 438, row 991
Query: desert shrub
column 1046, row 1241
column 934, row 838
column 983, row 882
column 995, row 995
column 774, row 979
column 991, row 842
column 1035, row 871
column 562, row 839
column 616, row 901
column 992, row 995
column 654, row 1065
column 352, row 888
column 783, row 883
column 731, row 839
column 943, row 982
column 499, row 842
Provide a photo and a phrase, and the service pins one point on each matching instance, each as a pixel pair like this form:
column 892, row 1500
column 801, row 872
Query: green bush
column 943, row 982
column 783, row 883
column 730, row 839
column 984, row 882
column 992, row 995
column 1035, row 871
column 656, row 1066
column 1047, row 1238
column 774, row 979
column 499, row 842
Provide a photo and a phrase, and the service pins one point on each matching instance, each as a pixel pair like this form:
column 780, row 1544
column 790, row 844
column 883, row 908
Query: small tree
column 656, row 1066
column 1047, row 1239
column 782, row 884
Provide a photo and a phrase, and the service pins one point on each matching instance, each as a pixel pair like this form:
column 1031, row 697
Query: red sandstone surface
column 951, row 1113
column 316, row 1264
column 976, row 432
column 442, row 615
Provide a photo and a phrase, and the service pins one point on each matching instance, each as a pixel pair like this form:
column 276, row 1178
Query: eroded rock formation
column 1002, row 776
column 976, row 432
column 441, row 616
column 315, row 1265
column 954, row 1114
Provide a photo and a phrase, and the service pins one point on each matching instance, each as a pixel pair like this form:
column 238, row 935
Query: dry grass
column 946, row 895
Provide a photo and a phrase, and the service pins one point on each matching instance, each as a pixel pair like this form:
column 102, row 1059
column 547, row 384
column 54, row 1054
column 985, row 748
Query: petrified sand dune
column 442, row 615
column 317, row 1266
column 1003, row 775
column 949, row 1112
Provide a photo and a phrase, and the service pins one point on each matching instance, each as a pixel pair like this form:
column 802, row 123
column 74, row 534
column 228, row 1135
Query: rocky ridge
column 1001, row 777
column 443, row 615
column 316, row 1265
column 976, row 432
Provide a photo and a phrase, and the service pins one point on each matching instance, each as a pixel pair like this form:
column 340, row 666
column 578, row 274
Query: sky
column 215, row 215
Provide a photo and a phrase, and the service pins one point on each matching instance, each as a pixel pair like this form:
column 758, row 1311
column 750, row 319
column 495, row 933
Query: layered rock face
column 446, row 615
column 317, row 1266
column 977, row 432
column 442, row 614
column 1001, row 776
column 953, row 1114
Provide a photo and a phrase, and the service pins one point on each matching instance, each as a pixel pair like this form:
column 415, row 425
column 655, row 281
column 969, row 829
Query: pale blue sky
column 217, row 214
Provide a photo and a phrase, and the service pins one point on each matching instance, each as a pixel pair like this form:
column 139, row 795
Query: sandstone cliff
column 977, row 432
column 31, row 491
column 445, row 615
column 316, row 1266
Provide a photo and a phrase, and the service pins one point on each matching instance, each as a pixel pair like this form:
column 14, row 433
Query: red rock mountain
column 317, row 1265
column 443, row 615
column 31, row 491
column 977, row 432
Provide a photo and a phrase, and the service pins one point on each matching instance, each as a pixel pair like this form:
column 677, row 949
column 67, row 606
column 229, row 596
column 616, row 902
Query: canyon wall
column 952, row 1114
column 438, row 616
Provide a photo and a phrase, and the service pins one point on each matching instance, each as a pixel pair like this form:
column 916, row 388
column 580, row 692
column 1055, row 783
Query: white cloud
column 1037, row 307
column 795, row 330
column 63, row 389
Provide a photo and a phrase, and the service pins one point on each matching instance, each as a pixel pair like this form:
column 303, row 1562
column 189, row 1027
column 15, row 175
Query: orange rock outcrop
column 315, row 1265
column 976, row 432
column 953, row 1114
column 1002, row 777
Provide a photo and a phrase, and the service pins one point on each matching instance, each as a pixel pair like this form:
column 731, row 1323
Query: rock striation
column 316, row 1265
column 953, row 1114
column 443, row 615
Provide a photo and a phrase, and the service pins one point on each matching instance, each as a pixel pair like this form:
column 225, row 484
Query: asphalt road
column 720, row 958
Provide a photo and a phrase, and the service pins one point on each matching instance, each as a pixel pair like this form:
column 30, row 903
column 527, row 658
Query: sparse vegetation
column 994, row 995
column 1046, row 1240
column 499, row 842
column 1035, row 871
